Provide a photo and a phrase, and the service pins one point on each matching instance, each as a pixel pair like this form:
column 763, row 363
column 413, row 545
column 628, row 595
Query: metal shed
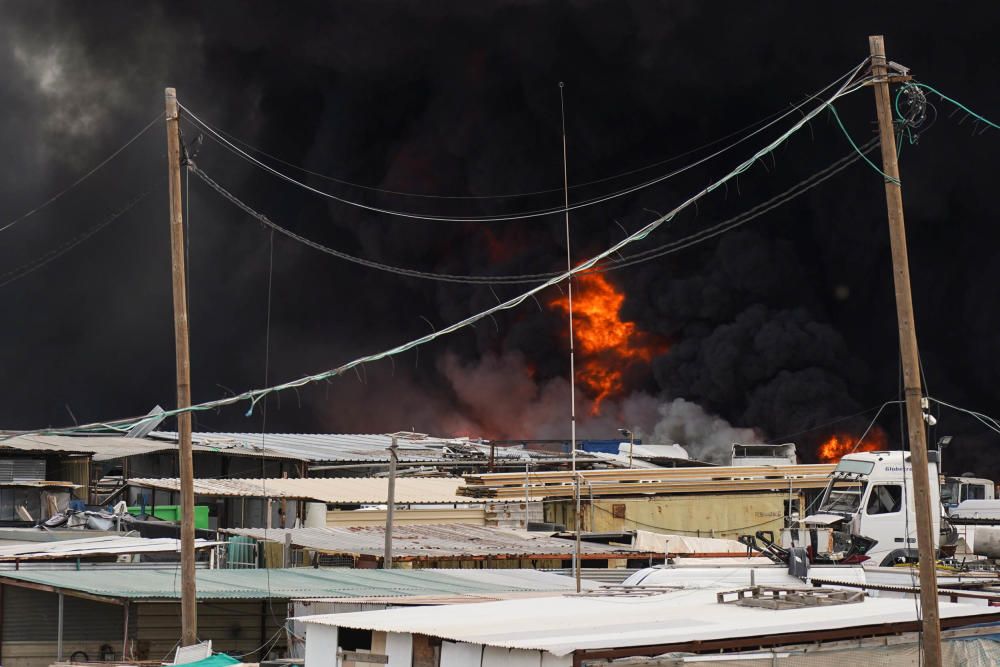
column 136, row 611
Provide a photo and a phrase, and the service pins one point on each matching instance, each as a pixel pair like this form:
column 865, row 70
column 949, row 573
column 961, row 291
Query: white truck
column 957, row 490
column 865, row 514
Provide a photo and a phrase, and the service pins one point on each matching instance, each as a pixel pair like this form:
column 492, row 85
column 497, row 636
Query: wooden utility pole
column 390, row 506
column 910, row 360
column 189, row 610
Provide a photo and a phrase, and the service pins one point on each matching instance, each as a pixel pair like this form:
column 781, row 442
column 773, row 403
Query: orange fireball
column 607, row 345
column 836, row 446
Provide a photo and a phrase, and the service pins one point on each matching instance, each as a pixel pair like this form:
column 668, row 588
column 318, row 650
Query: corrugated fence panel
column 234, row 627
column 30, row 621
column 30, row 615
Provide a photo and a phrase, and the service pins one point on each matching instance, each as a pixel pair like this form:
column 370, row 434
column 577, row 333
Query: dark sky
column 781, row 326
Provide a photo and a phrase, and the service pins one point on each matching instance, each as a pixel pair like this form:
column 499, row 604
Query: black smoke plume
column 781, row 327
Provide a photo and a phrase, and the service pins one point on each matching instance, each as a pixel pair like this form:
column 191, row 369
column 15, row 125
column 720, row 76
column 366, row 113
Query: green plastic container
column 173, row 513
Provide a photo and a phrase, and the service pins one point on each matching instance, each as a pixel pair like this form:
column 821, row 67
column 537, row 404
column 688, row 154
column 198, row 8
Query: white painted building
column 549, row 632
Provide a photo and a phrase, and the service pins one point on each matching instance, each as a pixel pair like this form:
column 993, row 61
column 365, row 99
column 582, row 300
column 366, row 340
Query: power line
column 498, row 218
column 913, row 84
column 514, row 195
column 84, row 177
column 530, row 278
column 986, row 420
column 41, row 261
column 253, row 396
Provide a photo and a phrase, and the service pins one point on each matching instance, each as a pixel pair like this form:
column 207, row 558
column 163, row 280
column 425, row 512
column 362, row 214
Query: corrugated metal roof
column 49, row 443
column 308, row 447
column 106, row 448
column 508, row 584
column 41, row 484
column 335, row 490
column 563, row 624
column 441, row 541
column 93, row 546
column 359, row 447
column 284, row 584
column 328, row 447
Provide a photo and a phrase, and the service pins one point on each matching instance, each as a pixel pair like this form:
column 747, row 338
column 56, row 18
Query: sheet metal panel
column 93, row 546
column 21, row 469
column 109, row 448
column 442, row 541
column 333, row 490
column 563, row 624
column 326, row 447
column 291, row 583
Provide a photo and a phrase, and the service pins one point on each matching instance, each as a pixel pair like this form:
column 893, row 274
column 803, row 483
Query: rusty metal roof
column 333, row 490
column 437, row 542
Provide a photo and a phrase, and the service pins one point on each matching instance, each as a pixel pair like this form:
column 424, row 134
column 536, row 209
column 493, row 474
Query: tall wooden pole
column 910, row 360
column 189, row 610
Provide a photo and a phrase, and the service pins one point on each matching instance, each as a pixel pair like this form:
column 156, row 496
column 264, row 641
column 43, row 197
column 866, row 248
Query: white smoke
column 706, row 437
column 498, row 398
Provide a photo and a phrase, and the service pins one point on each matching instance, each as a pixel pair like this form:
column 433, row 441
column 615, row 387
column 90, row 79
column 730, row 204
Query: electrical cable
column 871, row 425
column 778, row 439
column 914, row 84
column 989, row 422
column 43, row 260
column 612, row 264
column 253, row 396
column 743, row 218
column 500, row 218
column 864, row 157
column 84, row 177
column 514, row 195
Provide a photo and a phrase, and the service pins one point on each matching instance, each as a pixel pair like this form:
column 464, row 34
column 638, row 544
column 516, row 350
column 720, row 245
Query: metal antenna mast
column 572, row 342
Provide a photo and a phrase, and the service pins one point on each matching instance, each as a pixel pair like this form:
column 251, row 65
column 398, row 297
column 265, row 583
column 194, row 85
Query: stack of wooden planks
column 657, row 481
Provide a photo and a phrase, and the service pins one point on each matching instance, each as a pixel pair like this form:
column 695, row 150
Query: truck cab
column 956, row 490
column 871, row 494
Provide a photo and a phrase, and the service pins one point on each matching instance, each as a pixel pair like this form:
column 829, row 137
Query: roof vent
column 769, row 597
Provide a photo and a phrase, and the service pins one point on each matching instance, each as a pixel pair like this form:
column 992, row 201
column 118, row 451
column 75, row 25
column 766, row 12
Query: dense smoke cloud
column 498, row 396
column 781, row 329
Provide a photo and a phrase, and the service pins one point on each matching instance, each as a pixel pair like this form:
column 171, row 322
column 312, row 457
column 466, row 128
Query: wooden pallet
column 775, row 597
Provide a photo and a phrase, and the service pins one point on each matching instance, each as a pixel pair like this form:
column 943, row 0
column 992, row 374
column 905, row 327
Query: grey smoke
column 706, row 437
column 497, row 395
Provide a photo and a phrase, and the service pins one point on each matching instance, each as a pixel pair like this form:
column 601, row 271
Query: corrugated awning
column 110, row 447
column 93, row 546
column 333, row 490
column 438, row 542
column 114, row 585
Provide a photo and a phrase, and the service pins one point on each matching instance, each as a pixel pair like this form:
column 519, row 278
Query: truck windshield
column 950, row 493
column 843, row 495
column 850, row 465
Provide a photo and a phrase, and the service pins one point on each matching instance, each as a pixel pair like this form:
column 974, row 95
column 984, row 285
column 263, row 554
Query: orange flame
column 606, row 343
column 836, row 446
